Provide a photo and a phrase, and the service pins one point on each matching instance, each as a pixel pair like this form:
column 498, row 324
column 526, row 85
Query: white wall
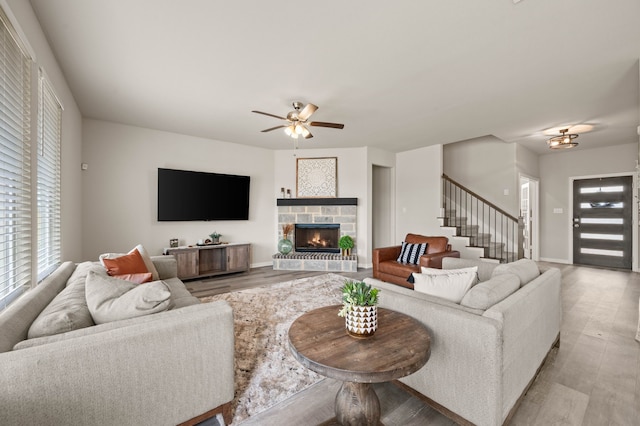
column 71, row 196
column 486, row 166
column 556, row 169
column 526, row 163
column 120, row 189
column 418, row 193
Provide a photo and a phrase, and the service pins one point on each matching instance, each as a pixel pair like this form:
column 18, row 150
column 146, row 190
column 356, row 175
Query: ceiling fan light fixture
column 565, row 140
column 299, row 129
column 291, row 131
column 305, row 132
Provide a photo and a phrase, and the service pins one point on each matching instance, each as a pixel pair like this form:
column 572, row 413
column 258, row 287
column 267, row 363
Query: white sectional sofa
column 483, row 358
column 165, row 368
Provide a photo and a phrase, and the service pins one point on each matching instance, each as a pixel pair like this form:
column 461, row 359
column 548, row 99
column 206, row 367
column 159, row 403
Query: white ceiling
column 399, row 75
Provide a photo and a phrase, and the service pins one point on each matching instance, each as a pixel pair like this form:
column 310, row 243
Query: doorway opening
column 529, row 202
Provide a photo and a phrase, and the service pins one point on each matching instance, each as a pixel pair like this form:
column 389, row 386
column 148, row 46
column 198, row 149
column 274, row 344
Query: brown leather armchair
column 387, row 268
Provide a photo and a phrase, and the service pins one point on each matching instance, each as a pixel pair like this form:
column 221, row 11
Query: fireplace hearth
column 317, row 238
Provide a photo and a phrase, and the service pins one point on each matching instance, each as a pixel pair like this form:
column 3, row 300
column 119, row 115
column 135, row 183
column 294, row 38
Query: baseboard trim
column 549, row 259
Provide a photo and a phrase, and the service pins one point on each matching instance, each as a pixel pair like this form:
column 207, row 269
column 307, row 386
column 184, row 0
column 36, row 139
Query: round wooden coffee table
column 399, row 347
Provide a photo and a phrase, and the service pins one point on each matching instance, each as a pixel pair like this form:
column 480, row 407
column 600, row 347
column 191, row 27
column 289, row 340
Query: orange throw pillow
column 135, row 278
column 131, row 263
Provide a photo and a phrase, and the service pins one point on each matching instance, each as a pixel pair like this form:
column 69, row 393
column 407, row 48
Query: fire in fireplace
column 314, row 237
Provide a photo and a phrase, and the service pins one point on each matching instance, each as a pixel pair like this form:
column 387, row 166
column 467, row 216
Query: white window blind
column 15, row 165
column 48, row 180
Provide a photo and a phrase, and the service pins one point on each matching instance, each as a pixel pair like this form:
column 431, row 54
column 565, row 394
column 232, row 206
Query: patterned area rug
column 265, row 371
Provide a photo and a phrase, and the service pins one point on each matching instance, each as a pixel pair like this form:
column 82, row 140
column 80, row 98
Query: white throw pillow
column 448, row 284
column 111, row 299
column 145, row 257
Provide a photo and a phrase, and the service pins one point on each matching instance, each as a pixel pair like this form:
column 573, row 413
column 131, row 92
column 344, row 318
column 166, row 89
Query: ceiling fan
column 298, row 120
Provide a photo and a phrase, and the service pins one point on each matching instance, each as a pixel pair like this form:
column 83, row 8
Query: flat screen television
column 189, row 195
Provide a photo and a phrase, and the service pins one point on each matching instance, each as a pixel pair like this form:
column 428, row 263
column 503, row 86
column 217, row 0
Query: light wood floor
column 592, row 379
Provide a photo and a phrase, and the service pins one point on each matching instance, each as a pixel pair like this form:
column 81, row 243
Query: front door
column 602, row 216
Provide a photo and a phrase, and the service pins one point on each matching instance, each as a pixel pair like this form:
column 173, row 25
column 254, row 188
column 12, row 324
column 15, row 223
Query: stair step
column 456, row 221
column 468, row 230
column 480, row 240
column 495, row 250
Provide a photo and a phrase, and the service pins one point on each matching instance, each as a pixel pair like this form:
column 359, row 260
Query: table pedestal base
column 357, row 404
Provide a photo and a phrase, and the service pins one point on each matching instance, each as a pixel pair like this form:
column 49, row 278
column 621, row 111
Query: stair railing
column 479, row 219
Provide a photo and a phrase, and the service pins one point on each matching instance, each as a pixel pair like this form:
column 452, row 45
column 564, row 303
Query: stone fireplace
column 319, row 224
column 317, row 237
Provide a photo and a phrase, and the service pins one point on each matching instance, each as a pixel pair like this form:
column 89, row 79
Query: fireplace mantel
column 317, row 201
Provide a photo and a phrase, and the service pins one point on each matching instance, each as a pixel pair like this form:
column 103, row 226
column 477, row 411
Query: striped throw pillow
column 410, row 253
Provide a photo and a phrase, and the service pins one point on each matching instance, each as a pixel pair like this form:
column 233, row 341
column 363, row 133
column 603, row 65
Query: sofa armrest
column 532, row 317
column 386, row 253
column 161, row 372
column 166, row 265
column 463, row 373
column 434, row 260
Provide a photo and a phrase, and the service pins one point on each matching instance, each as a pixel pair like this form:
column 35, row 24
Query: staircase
column 479, row 229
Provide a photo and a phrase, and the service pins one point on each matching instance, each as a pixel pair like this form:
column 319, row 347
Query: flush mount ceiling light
column 565, row 140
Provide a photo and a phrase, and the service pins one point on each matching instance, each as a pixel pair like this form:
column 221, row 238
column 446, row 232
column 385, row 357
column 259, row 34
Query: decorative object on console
column 215, row 237
column 359, row 308
column 316, row 177
column 285, row 245
column 346, row 244
column 173, row 243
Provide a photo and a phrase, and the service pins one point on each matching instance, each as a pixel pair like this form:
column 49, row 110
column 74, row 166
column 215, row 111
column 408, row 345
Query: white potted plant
column 359, row 308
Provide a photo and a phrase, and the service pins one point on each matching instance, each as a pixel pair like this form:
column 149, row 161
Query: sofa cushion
column 111, row 299
column 16, row 318
column 410, row 253
column 488, row 293
column 449, row 285
column 485, row 269
column 145, row 257
column 68, row 310
column 525, row 269
column 180, row 296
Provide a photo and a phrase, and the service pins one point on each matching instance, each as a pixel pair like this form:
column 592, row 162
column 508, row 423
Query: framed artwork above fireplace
column 317, row 177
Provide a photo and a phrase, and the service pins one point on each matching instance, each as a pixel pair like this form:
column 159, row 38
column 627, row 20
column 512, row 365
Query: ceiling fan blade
column 273, row 128
column 307, row 111
column 325, row 124
column 270, row 115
